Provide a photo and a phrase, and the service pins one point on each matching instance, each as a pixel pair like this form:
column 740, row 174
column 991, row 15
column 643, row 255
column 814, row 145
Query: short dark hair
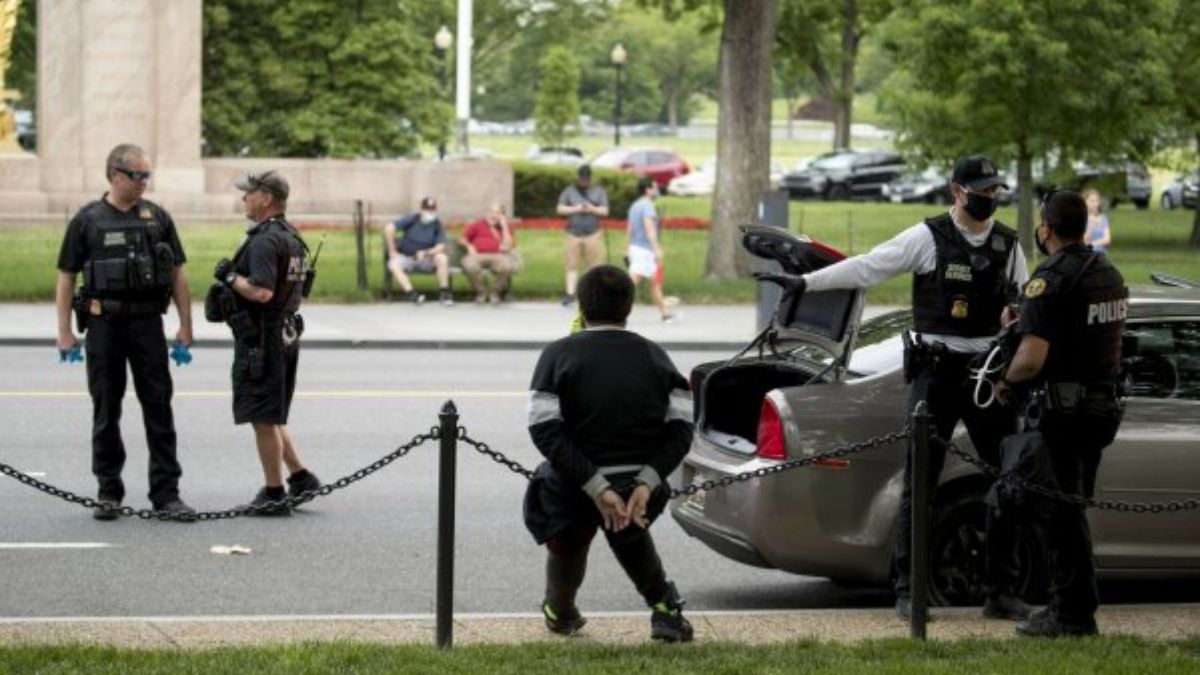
column 605, row 295
column 121, row 156
column 1065, row 213
column 644, row 183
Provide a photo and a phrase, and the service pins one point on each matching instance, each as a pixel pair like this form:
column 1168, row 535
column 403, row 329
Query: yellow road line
column 384, row 393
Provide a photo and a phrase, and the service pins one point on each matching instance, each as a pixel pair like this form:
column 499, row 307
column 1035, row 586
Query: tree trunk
column 843, row 99
column 1194, row 240
column 743, row 130
column 1026, row 192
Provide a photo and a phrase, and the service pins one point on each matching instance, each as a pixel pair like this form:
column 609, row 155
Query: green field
column 1143, row 241
column 1100, row 656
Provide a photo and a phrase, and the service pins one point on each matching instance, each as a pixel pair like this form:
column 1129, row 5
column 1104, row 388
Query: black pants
column 139, row 341
column 944, row 389
column 1075, row 443
column 633, row 548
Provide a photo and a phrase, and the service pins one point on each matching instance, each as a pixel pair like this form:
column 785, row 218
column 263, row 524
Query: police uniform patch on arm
column 1035, row 287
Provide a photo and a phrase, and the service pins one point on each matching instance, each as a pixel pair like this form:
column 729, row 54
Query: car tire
column 1142, row 204
column 1167, row 203
column 838, row 193
column 956, row 555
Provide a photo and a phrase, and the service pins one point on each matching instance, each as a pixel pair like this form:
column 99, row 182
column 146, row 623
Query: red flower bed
column 609, row 223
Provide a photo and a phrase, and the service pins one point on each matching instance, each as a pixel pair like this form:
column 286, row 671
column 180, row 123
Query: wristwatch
column 230, row 278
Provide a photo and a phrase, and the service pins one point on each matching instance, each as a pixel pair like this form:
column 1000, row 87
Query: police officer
column 132, row 263
column 262, row 287
column 966, row 267
column 1071, row 318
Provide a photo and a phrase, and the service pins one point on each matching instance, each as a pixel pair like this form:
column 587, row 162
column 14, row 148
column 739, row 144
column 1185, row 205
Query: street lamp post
column 442, row 41
column 618, row 56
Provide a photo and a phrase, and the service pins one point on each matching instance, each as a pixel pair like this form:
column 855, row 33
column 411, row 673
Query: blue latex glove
column 181, row 354
column 72, row 355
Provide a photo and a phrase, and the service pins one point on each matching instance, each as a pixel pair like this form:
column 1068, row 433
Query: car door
column 1156, row 455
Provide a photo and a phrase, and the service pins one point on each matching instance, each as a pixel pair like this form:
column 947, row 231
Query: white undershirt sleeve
column 910, row 251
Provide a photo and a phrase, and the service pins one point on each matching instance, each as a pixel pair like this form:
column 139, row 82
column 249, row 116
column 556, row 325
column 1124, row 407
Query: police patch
column 114, row 238
column 1035, row 288
column 145, row 214
column 998, row 244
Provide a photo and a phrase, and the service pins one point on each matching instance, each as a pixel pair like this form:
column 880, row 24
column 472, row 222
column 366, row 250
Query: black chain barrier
column 236, row 512
column 724, row 481
column 1072, row 499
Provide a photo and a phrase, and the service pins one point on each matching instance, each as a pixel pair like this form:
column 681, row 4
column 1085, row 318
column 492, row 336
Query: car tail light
column 771, row 443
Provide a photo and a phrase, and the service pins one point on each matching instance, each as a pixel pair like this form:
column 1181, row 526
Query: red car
column 660, row 165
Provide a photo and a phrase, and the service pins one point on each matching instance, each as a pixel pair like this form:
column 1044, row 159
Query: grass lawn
column 1143, row 241
column 1094, row 655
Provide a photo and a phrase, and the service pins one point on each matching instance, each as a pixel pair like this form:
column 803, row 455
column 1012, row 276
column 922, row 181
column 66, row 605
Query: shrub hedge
column 536, row 188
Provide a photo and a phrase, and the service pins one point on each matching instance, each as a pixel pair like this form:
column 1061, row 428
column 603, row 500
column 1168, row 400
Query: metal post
column 443, row 77
column 360, row 227
column 445, row 542
column 919, row 570
column 617, row 127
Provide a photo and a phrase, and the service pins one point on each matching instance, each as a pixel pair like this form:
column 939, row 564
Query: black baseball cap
column 267, row 181
column 977, row 172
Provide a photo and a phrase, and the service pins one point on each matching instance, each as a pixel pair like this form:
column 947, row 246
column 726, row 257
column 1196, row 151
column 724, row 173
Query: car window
column 1162, row 359
column 827, row 162
column 639, row 158
column 877, row 347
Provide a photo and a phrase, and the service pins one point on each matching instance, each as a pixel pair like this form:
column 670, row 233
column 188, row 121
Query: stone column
column 117, row 71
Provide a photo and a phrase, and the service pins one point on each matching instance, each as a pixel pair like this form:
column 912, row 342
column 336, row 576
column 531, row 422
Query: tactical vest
column 1091, row 310
column 968, row 288
column 127, row 260
column 292, row 266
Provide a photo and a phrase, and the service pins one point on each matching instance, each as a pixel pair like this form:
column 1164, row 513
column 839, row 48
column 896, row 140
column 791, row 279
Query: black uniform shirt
column 273, row 258
column 1081, row 319
column 75, row 251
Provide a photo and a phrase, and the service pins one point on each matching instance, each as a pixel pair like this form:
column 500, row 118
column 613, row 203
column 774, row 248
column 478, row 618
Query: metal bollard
column 919, row 570
column 447, row 462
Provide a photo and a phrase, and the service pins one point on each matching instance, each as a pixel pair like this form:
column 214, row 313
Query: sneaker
column 265, row 504
column 445, row 297
column 568, row 299
column 303, row 481
column 107, row 509
column 1006, row 607
column 177, row 510
column 415, row 297
column 1045, row 623
column 666, row 618
column 565, row 623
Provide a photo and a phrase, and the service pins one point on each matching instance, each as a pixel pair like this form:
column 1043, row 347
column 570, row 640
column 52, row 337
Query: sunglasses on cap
column 136, row 175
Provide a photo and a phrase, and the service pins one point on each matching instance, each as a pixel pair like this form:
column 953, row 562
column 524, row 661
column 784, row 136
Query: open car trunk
column 808, row 342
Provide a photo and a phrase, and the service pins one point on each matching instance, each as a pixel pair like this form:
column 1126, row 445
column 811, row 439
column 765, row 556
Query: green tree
column 824, row 38
column 22, row 69
column 744, row 72
column 1184, row 54
column 315, row 79
column 557, row 113
column 1018, row 80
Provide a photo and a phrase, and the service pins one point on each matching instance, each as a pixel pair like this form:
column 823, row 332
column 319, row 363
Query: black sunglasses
column 136, row 175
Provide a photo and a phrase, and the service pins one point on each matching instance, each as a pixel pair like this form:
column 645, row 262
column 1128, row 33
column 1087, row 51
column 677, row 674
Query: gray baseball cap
column 267, row 181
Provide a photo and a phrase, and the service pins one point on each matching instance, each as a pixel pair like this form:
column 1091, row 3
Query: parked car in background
column 1182, row 191
column 826, row 380
column 1124, row 181
column 26, row 130
column 554, row 155
column 659, row 164
column 703, row 180
column 845, row 174
column 931, row 186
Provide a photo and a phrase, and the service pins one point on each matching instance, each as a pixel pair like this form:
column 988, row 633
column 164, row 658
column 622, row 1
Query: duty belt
column 110, row 307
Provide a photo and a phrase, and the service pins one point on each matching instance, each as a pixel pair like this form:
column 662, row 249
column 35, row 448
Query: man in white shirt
column 966, row 269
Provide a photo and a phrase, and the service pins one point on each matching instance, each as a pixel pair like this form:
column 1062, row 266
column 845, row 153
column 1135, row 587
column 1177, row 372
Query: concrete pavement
column 466, row 325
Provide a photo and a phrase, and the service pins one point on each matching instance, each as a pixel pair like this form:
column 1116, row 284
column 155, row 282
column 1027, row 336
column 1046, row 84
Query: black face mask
column 980, row 206
column 1041, row 243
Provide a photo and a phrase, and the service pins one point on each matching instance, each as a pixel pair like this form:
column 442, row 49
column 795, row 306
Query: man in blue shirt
column 417, row 243
column 645, row 252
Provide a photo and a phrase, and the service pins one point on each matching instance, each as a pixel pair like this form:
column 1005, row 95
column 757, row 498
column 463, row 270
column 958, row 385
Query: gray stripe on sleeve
column 543, row 407
column 680, row 406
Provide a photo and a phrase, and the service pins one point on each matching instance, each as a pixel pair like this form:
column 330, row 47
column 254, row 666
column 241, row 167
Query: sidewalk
column 1153, row 622
column 518, row 325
